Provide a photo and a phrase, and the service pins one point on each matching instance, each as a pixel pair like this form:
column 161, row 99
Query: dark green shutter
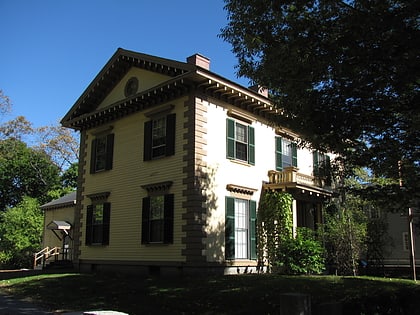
column 230, row 138
column 230, row 228
column 252, row 229
column 170, row 135
column 294, row 154
column 251, row 145
column 106, row 223
column 315, row 163
column 147, row 154
column 93, row 156
column 279, row 158
column 168, row 232
column 89, row 217
column 109, row 151
column 145, row 221
column 327, row 173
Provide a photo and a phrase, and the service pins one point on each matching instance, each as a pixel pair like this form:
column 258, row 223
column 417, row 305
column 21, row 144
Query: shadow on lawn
column 238, row 294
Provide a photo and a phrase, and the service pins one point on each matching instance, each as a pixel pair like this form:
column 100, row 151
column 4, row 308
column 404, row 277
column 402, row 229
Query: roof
column 59, row 225
column 63, row 202
column 183, row 77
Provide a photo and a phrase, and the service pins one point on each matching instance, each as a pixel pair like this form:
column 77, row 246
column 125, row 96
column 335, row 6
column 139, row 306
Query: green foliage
column 275, row 223
column 69, row 176
column 24, row 172
column 344, row 234
column 377, row 239
column 303, row 254
column 344, row 74
column 20, row 233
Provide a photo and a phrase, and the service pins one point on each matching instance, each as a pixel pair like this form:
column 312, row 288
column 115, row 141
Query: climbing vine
column 275, row 224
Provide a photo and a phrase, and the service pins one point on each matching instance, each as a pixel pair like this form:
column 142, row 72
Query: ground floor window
column 240, row 228
column 157, row 219
column 97, row 224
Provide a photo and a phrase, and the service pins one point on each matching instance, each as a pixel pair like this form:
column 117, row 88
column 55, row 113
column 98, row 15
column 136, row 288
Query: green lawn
column 236, row 294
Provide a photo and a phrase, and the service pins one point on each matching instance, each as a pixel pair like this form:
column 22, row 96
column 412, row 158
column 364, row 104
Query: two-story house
column 173, row 160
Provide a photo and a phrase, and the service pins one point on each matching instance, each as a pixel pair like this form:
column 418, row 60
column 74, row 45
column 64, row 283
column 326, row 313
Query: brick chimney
column 199, row 60
column 259, row 89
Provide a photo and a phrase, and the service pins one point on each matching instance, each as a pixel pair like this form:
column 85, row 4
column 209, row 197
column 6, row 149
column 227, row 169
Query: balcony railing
column 291, row 175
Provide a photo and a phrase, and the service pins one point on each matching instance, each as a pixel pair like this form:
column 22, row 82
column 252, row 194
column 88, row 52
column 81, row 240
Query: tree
column 59, row 143
column 16, row 128
column 20, row 234
column 5, row 103
column 344, row 234
column 24, row 172
column 344, row 74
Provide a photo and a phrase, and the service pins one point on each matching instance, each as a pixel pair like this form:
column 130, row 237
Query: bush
column 301, row 255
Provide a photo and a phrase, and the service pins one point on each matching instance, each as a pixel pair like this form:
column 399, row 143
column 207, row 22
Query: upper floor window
column 97, row 224
column 240, row 141
column 322, row 166
column 159, row 137
column 286, row 153
column 157, row 219
column 240, row 229
column 102, row 153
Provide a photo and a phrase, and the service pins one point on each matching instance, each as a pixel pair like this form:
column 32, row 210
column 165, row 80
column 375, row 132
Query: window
column 286, row 153
column 157, row 219
column 102, row 153
column 159, row 137
column 374, row 213
column 97, row 224
column 321, row 163
column 240, row 225
column 240, row 141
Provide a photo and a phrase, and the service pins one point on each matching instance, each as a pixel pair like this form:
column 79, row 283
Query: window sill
column 156, row 244
column 240, row 162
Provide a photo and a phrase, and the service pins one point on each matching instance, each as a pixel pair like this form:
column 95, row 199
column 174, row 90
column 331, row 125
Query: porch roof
column 59, row 225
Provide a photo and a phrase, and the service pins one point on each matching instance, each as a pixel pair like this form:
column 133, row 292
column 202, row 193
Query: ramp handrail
column 45, row 254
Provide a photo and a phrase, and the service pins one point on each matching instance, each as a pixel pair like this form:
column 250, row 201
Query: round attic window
column 131, row 86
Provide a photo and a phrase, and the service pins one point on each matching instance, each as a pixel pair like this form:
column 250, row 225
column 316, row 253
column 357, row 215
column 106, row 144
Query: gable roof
column 62, row 202
column 183, row 77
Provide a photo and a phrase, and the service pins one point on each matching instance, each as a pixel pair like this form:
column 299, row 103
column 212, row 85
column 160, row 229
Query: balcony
column 291, row 178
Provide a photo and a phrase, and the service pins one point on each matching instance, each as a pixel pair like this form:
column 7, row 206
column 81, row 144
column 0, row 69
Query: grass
column 237, row 294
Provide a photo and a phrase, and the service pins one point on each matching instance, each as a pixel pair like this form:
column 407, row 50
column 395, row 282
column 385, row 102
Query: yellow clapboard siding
column 124, row 182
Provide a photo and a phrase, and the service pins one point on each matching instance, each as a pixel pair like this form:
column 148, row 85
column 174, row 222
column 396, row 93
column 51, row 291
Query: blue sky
column 51, row 49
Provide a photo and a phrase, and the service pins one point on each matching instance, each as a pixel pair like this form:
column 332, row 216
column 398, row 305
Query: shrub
column 301, row 255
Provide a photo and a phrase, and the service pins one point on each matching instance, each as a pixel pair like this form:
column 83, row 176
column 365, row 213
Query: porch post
column 294, row 214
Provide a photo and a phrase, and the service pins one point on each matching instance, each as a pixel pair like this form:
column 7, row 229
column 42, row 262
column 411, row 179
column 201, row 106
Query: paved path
column 12, row 306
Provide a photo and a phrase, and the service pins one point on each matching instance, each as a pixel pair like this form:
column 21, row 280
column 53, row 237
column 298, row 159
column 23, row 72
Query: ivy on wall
column 275, row 224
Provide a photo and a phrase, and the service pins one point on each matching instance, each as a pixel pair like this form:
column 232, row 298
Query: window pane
column 241, row 133
column 286, row 153
column 156, row 231
column 97, row 224
column 98, row 214
column 97, row 234
column 157, row 205
column 100, row 154
column 158, row 137
column 241, row 151
column 241, row 229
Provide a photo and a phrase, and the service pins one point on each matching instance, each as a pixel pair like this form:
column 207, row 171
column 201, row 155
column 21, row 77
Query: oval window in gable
column 131, row 87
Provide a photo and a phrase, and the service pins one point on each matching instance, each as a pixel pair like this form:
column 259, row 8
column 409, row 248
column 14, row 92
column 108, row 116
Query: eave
column 185, row 78
column 113, row 71
column 236, row 95
column 165, row 92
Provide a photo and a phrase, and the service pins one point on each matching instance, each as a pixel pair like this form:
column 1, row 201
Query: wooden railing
column 291, row 175
column 45, row 254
